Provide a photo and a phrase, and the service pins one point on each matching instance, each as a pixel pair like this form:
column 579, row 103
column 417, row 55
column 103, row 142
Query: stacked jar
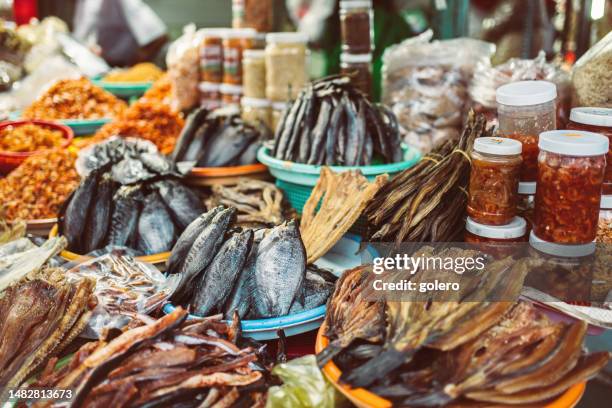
column 604, row 227
column 235, row 42
column 285, row 57
column 257, row 14
column 356, row 30
column 255, row 106
column 211, row 67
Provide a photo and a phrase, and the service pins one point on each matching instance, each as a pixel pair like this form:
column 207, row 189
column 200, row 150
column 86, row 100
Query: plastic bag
column 184, row 68
column 124, row 289
column 303, row 386
column 426, row 85
column 592, row 75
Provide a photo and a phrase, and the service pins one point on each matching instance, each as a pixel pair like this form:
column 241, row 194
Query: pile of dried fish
column 332, row 123
column 217, row 139
column 167, row 362
column 39, row 316
column 427, row 202
column 257, row 274
column 259, row 204
column 333, row 207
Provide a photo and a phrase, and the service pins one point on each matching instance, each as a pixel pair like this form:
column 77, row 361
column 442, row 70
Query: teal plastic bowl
column 80, row 127
column 123, row 89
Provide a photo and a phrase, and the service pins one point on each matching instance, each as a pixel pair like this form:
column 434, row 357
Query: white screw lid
column 255, row 102
column 279, row 105
column 286, row 37
column 592, row 116
column 214, row 32
column 573, row 143
column 498, row 145
column 353, row 4
column 209, row 86
column 231, row 89
column 525, row 93
column 561, row 250
column 606, row 202
column 527, row 187
column 515, row 229
column 355, row 58
column 239, row 33
column 255, row 54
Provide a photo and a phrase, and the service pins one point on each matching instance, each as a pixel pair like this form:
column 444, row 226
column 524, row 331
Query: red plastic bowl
column 11, row 160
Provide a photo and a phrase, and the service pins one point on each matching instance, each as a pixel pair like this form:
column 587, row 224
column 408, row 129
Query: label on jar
column 231, row 61
column 211, row 59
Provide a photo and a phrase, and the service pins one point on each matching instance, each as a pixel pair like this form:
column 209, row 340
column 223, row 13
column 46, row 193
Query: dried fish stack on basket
column 427, row 202
column 166, row 362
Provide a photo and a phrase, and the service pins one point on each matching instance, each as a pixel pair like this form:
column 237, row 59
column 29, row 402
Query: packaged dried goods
column 604, row 227
column 75, row 99
column 210, row 95
column 571, row 168
column 494, row 180
column 591, row 73
column 425, row 83
column 526, row 202
column 183, row 61
column 235, row 41
column 278, row 110
column 37, row 188
column 525, row 109
column 359, row 68
column 142, row 72
column 356, row 26
column 256, row 111
column 514, row 231
column 254, row 74
column 211, row 55
column 596, row 120
column 257, row 14
column 29, row 137
column 230, row 94
column 285, row 65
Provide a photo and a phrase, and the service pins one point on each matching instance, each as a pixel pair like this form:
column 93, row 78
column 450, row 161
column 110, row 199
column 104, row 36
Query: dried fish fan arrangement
column 166, row 362
column 427, row 202
column 332, row 123
column 342, row 198
column 39, row 316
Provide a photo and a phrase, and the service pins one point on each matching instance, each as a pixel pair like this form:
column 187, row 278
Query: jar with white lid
column 235, row 41
column 256, row 110
column 356, row 26
column 230, row 94
column 211, row 55
column 596, row 120
column 526, row 202
column 571, row 167
column 278, row 110
column 254, row 74
column 359, row 68
column 494, row 178
column 525, row 109
column 210, row 95
column 285, row 65
column 514, row 231
column 604, row 227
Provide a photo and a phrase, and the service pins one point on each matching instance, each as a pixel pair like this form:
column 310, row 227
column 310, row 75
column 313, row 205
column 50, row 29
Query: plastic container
column 210, row 95
column 254, row 73
column 230, row 94
column 514, row 231
column 604, row 226
column 526, row 202
column 525, row 109
column 235, row 41
column 494, row 180
column 278, row 110
column 285, row 65
column 211, row 55
column 256, row 110
column 571, row 167
column 257, row 14
column 596, row 120
column 359, row 68
column 356, row 25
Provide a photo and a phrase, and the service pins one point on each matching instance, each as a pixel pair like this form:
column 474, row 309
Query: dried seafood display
column 259, row 204
column 427, row 202
column 38, row 318
column 340, row 199
column 29, row 137
column 142, row 72
column 257, row 274
column 332, row 123
column 167, row 362
column 218, row 139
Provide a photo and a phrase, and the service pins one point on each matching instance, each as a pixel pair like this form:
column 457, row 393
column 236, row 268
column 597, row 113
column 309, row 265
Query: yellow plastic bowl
column 365, row 399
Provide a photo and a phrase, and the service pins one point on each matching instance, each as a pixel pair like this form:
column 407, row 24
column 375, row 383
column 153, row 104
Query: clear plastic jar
column 596, row 120
column 211, row 55
column 210, row 95
column 571, row 167
column 604, row 226
column 359, row 68
column 526, row 202
column 285, row 65
column 514, row 231
column 278, row 110
column 494, row 179
column 525, row 109
column 257, row 14
column 356, row 26
column 256, row 110
column 235, row 41
column 230, row 94
column 254, row 74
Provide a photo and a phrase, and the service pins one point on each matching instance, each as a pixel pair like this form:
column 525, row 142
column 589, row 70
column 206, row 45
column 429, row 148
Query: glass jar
column 526, row 202
column 359, row 68
column 256, row 111
column 235, row 41
column 230, row 94
column 514, row 231
column 254, row 74
column 210, row 95
column 356, row 26
column 257, row 14
column 571, row 167
column 525, row 109
column 604, row 226
column 211, row 55
column 285, row 65
column 596, row 120
column 278, row 110
column 494, row 178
